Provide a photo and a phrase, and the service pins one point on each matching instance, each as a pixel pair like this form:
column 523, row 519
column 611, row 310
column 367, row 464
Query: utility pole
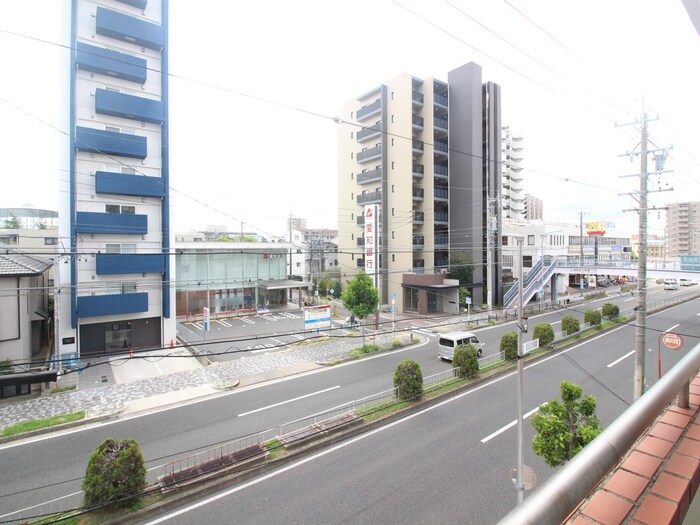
column 580, row 222
column 641, row 198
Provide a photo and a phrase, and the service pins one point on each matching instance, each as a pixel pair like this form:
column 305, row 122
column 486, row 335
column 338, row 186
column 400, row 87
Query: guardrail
column 554, row 501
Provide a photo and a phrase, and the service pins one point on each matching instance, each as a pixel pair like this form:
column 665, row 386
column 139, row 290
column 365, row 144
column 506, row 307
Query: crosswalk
column 423, row 331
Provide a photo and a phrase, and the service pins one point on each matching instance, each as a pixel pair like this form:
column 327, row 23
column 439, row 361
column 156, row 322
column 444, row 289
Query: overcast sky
column 255, row 87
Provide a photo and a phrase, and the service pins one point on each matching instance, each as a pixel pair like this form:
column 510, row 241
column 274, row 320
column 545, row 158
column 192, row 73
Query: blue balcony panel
column 97, row 305
column 111, row 143
column 128, row 106
column 128, row 29
column 124, row 184
column 141, row 4
column 111, row 223
column 116, row 263
column 111, row 63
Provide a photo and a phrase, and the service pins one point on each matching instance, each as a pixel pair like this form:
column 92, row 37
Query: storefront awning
column 281, row 284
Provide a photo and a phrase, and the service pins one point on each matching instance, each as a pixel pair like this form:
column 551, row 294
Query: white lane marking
column 40, row 504
column 269, row 317
column 674, row 326
column 222, row 322
column 509, row 425
column 246, row 320
column 289, row 401
column 278, row 341
column 197, row 325
column 297, row 336
column 632, row 299
column 622, row 358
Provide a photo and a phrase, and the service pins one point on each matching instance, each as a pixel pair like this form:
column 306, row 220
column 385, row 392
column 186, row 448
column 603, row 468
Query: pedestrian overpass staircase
column 540, row 273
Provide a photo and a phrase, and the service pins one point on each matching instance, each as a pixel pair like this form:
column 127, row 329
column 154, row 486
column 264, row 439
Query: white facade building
column 512, row 196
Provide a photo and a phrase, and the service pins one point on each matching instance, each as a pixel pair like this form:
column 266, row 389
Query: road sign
column 206, row 318
column 672, row 341
column 468, row 300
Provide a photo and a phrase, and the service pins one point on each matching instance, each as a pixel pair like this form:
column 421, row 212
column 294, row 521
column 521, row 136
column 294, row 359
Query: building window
column 504, row 240
column 112, row 208
column 115, row 208
column 392, row 188
column 392, row 95
column 392, row 118
column 352, row 216
column 352, row 196
column 352, row 155
column 392, row 212
column 530, row 240
column 392, row 164
column 129, row 248
column 298, row 265
column 392, row 234
column 49, row 282
column 508, row 261
column 392, row 141
column 352, row 134
column 352, row 176
column 50, row 241
column 128, row 210
column 113, row 248
column 393, row 257
column 527, row 261
column 129, row 287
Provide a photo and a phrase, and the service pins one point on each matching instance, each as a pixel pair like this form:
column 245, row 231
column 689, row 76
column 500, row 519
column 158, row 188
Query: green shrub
column 465, row 359
column 611, row 311
column 5, row 367
column 115, row 473
column 396, row 343
column 509, row 345
column 544, row 332
column 408, row 378
column 593, row 317
column 570, row 324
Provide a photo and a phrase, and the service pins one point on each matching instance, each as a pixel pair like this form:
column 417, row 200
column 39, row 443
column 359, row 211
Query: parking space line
column 246, row 320
column 197, row 325
column 224, row 323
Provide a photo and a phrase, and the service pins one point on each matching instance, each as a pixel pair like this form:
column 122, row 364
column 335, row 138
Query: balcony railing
column 417, row 98
column 370, row 176
column 360, row 220
column 370, row 153
column 441, row 123
column 418, row 216
column 442, row 240
column 372, row 197
column 441, row 193
column 418, row 240
column 441, row 216
column 417, row 121
column 440, row 99
column 417, row 146
column 440, row 147
column 418, row 169
column 440, row 171
column 368, row 133
column 418, row 193
column 369, row 109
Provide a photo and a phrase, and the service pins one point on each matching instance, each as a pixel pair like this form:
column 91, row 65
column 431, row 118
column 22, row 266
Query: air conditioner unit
column 444, row 270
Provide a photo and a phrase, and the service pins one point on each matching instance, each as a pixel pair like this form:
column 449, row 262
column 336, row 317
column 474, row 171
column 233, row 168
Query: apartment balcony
column 128, row 106
column 366, row 177
column 442, row 241
column 360, row 220
column 440, row 100
column 360, row 241
column 128, row 29
column 360, row 263
column 116, row 264
column 110, row 143
column 418, row 194
column 418, row 242
column 441, row 217
column 111, row 223
column 418, row 146
column 418, row 169
column 419, row 266
column 370, row 132
column 440, row 147
column 370, row 154
column 417, row 98
column 417, row 122
column 107, row 182
column 112, row 304
column 441, row 124
column 440, row 194
column 441, row 263
column 110, row 63
column 440, row 172
column 372, row 197
column 369, row 110
column 418, row 217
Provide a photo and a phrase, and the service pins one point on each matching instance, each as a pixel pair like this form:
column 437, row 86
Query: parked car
column 686, row 282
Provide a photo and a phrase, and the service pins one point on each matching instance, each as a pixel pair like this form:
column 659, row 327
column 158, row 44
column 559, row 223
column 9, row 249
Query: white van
column 451, row 340
column 670, row 284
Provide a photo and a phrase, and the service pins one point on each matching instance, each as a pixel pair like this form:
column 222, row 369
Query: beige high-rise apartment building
column 683, row 229
column 427, row 154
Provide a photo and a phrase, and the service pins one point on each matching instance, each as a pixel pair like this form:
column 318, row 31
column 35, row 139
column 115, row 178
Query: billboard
column 317, row 317
column 371, row 241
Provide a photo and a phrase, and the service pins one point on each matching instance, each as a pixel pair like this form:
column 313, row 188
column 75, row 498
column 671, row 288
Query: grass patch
column 313, row 341
column 275, row 448
column 36, row 424
column 63, row 389
column 365, row 349
column 378, row 410
column 101, row 516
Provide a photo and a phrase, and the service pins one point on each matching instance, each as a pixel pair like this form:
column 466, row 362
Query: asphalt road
column 50, row 468
column 450, row 463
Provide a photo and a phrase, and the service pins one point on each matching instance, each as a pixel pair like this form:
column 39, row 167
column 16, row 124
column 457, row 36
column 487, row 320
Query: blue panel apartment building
column 115, row 269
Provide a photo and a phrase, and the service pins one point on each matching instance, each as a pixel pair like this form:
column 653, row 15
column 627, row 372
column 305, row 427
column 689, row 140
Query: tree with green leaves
column 570, row 324
column 544, row 332
column 360, row 296
column 509, row 345
column 462, row 268
column 408, row 378
column 611, row 311
column 564, row 427
column 466, row 360
column 592, row 317
column 115, row 474
column 463, row 294
column 326, row 284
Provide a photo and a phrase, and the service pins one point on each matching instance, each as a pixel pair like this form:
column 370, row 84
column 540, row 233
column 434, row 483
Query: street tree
column 13, row 223
column 408, row 378
column 564, row 427
column 461, row 267
column 115, row 474
column 360, row 296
